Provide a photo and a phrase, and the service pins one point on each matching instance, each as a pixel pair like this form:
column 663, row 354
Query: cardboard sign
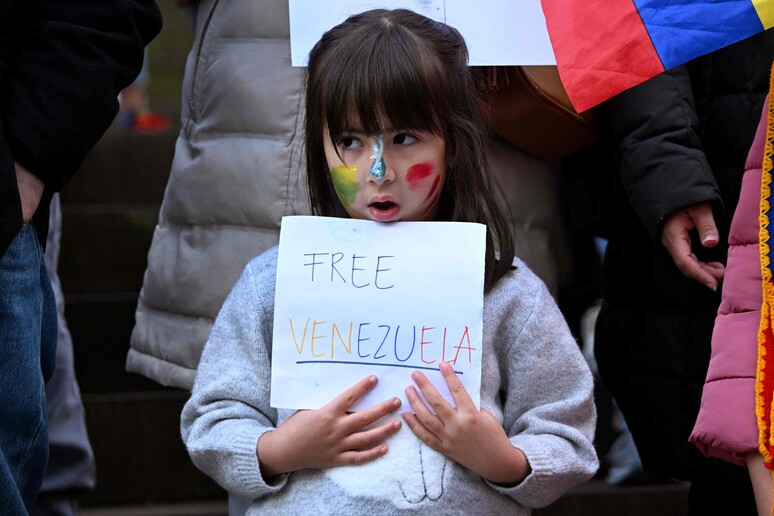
column 497, row 32
column 357, row 297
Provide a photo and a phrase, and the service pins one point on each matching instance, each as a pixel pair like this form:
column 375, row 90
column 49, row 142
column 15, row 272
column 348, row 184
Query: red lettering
column 460, row 347
column 422, row 343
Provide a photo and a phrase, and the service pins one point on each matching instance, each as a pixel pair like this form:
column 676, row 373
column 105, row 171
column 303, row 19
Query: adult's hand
column 30, row 191
column 676, row 238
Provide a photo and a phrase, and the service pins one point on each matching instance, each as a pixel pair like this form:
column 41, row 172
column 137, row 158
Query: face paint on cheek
column 432, row 195
column 417, row 174
column 430, row 205
column 433, row 189
column 344, row 179
column 378, row 167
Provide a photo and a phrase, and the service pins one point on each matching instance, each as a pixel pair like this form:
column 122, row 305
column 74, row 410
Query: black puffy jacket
column 62, row 65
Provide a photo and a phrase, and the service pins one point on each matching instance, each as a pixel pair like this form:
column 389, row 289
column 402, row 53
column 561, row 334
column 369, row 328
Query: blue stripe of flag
column 682, row 30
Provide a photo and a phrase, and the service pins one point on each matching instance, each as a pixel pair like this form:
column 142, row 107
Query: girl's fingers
column 459, row 394
column 358, row 420
column 352, row 458
column 422, row 433
column 344, row 401
column 367, row 439
column 423, row 415
column 434, row 399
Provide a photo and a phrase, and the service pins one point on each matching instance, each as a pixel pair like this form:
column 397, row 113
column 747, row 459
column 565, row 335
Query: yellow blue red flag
column 604, row 47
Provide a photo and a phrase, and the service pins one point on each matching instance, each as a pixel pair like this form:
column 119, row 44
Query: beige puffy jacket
column 237, row 171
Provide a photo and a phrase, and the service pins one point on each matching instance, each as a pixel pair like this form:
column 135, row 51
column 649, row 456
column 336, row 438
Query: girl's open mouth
column 383, row 211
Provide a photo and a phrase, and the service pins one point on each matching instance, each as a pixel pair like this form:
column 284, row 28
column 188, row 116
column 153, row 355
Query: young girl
column 393, row 132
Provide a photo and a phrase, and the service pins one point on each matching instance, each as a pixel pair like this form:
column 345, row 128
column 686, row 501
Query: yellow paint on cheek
column 344, row 179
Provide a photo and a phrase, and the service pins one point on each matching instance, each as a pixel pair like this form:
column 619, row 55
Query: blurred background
column 109, row 211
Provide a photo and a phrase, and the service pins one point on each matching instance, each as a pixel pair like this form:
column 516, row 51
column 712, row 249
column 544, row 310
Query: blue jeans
column 27, row 359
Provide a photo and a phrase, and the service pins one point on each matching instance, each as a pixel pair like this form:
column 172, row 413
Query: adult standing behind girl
column 399, row 79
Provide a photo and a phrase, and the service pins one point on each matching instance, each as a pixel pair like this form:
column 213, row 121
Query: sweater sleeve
column 229, row 406
column 548, row 406
column 653, row 131
column 70, row 60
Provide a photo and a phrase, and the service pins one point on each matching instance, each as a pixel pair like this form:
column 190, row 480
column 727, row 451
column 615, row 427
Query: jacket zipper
column 191, row 103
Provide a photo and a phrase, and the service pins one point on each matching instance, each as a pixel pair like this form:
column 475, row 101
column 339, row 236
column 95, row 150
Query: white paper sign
column 357, row 297
column 497, row 32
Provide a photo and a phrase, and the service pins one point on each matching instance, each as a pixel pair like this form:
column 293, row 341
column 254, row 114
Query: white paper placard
column 357, row 297
column 497, row 32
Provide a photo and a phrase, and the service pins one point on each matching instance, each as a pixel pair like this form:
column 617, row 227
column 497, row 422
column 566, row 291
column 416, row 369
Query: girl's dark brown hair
column 407, row 71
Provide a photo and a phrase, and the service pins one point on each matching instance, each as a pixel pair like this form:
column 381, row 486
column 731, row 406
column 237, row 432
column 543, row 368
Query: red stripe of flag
column 602, row 48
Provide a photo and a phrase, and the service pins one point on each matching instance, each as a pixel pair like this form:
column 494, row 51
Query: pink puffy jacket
column 726, row 426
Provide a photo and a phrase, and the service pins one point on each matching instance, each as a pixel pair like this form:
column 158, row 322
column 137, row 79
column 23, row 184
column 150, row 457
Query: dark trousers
column 27, row 358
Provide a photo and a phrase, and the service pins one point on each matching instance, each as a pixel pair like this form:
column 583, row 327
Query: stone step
column 219, row 508
column 109, row 212
column 594, row 498
column 139, row 453
column 133, row 422
column 101, row 327
column 598, row 498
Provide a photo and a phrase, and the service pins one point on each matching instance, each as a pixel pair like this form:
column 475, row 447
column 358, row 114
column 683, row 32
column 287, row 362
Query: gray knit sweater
column 534, row 380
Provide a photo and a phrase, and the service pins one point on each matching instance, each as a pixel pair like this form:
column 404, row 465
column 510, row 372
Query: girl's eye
column 349, row 142
column 404, row 139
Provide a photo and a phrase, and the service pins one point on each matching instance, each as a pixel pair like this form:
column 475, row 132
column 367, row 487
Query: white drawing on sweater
column 431, row 491
column 409, row 474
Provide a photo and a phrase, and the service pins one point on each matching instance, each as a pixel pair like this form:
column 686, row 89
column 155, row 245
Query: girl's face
column 406, row 182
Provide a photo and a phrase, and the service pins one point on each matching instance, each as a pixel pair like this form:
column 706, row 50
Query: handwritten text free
column 329, row 263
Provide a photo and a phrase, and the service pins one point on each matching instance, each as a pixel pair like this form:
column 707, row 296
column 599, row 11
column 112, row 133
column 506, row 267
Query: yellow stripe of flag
column 765, row 10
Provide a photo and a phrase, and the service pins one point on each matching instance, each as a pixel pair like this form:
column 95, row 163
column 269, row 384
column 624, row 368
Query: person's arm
column 228, row 425
column 70, row 60
column 653, row 130
column 544, row 444
column 547, row 395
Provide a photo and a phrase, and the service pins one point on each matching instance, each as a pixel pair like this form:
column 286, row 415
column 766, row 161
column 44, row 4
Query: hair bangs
column 370, row 90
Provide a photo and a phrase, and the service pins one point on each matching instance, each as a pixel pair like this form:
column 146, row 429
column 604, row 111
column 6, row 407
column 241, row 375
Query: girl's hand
column 328, row 436
column 464, row 434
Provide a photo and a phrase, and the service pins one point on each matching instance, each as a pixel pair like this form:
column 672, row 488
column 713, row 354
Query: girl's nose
column 382, row 172
column 378, row 172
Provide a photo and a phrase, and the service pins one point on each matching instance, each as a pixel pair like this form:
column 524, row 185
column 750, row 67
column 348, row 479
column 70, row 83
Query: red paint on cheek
column 433, row 188
column 429, row 207
column 418, row 173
